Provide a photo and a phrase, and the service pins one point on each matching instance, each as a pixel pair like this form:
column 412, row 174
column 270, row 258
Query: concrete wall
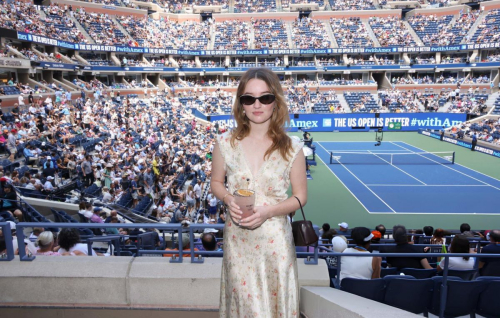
column 152, row 287
column 101, row 8
column 123, row 282
column 333, row 303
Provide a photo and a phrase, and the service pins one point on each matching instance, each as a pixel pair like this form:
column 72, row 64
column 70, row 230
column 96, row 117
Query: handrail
column 177, row 227
column 8, row 242
column 180, row 229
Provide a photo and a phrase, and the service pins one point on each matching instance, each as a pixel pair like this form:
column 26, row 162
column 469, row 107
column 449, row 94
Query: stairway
column 474, row 27
column 289, row 28
column 82, row 30
column 490, row 102
column 343, row 103
column 373, row 37
column 329, row 31
column 121, row 28
column 413, row 34
column 212, row 37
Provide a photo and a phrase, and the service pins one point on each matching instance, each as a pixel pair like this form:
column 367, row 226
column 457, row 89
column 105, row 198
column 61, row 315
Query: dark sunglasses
column 248, row 100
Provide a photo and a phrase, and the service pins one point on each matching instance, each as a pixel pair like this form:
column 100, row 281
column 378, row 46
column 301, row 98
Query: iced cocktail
column 245, row 199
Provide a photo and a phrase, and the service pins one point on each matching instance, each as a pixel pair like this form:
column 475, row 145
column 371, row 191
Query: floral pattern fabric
column 259, row 272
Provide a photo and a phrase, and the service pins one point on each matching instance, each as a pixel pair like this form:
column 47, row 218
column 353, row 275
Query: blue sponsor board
column 361, row 121
column 284, row 69
column 58, row 65
column 109, row 48
column 462, row 143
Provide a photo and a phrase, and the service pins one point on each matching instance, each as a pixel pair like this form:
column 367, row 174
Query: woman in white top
column 69, row 242
column 360, row 267
column 459, row 244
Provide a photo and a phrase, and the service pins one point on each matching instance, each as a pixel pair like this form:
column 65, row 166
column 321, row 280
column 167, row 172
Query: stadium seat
column 488, row 305
column 368, row 288
column 408, row 293
column 462, row 296
column 419, row 273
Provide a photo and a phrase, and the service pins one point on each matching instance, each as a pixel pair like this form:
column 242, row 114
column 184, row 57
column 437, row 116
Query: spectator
column 459, row 244
column 381, row 229
column 402, row 246
column 339, row 244
column 438, row 237
column 360, row 267
column 491, row 266
column 69, row 242
column 185, row 248
column 428, row 230
column 45, row 243
column 327, row 233
column 96, row 218
column 209, row 242
column 344, row 228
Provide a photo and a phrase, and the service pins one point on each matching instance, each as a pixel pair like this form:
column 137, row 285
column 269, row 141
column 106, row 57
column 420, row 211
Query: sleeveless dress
column 259, row 271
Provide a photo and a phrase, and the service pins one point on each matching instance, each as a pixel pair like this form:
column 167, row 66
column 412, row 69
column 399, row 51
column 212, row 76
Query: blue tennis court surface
column 397, row 177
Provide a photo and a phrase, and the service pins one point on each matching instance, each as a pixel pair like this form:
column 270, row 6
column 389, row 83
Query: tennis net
column 379, row 158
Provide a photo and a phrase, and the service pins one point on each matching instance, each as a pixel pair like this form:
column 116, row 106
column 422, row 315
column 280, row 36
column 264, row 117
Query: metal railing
column 197, row 256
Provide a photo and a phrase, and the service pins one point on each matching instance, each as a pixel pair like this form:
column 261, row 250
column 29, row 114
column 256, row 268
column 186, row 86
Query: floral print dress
column 259, row 271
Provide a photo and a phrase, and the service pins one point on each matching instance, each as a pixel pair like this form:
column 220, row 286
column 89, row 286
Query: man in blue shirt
column 474, row 141
column 31, row 158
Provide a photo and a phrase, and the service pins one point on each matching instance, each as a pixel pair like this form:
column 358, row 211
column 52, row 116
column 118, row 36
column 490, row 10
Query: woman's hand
column 234, row 210
column 259, row 216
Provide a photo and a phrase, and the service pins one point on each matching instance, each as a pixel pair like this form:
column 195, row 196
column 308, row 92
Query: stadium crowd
column 391, row 31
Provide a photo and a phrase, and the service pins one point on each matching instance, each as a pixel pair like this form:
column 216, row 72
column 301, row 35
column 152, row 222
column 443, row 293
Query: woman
column 45, row 243
column 339, row 244
column 69, row 242
column 258, row 155
column 190, row 197
column 360, row 267
column 460, row 244
column 438, row 237
column 107, row 175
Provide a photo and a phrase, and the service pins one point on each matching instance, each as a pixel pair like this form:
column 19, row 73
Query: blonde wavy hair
column 279, row 117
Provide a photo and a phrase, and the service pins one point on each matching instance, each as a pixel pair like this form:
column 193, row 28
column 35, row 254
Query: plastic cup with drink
column 245, row 199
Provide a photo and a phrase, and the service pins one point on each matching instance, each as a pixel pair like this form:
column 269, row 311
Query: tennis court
column 398, row 178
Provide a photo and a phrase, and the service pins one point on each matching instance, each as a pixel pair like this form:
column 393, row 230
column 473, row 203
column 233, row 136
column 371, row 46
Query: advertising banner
column 462, row 143
column 126, row 49
column 363, row 121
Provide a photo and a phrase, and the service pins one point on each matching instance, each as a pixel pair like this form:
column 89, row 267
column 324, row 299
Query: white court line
column 398, row 168
column 364, row 151
column 445, row 165
column 440, row 213
column 361, row 183
column 455, row 162
column 427, row 185
column 319, row 157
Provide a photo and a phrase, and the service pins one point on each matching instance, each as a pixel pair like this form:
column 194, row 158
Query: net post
column 331, row 157
column 453, row 158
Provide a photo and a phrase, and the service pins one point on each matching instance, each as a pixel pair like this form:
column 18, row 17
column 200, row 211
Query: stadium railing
column 178, row 255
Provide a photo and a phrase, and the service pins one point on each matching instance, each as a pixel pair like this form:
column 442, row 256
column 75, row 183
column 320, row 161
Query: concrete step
column 329, row 31
column 82, row 30
column 491, row 101
column 474, row 27
column 413, row 34
column 343, row 103
column 121, row 28
column 371, row 33
column 212, row 37
column 289, row 28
